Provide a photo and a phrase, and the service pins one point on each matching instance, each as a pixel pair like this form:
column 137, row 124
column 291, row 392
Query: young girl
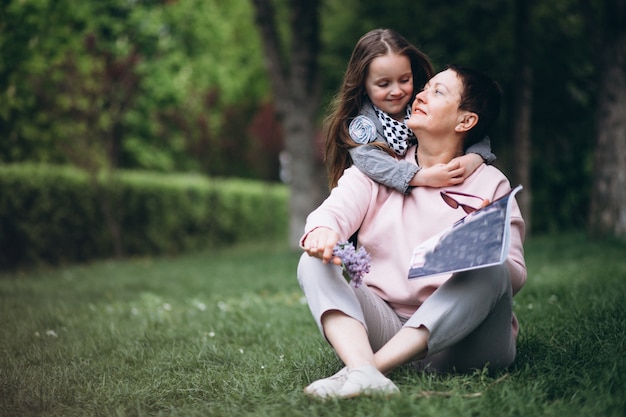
column 367, row 125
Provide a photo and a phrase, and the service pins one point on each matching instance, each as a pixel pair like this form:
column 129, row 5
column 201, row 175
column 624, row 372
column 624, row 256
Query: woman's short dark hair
column 481, row 95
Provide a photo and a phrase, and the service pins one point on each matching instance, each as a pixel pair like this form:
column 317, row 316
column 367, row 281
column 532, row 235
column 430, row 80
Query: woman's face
column 389, row 84
column 436, row 107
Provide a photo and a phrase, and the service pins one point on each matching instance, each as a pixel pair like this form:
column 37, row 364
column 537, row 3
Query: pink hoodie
column 392, row 224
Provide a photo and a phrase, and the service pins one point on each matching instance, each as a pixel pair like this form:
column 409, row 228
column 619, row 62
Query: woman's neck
column 429, row 154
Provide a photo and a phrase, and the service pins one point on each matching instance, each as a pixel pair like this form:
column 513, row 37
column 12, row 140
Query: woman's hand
column 320, row 243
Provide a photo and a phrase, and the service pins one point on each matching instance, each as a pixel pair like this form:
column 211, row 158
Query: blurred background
column 240, row 88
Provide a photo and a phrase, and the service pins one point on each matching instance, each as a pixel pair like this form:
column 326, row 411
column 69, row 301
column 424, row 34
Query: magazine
column 480, row 239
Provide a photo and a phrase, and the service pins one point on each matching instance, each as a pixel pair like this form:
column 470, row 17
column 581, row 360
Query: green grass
column 226, row 333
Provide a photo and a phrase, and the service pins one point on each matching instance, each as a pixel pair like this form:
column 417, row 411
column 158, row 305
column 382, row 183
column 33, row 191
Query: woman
column 458, row 322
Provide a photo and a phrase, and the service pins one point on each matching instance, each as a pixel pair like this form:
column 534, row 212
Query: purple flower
column 356, row 263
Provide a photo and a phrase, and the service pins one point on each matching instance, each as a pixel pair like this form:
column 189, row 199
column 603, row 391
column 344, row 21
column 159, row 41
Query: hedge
column 58, row 214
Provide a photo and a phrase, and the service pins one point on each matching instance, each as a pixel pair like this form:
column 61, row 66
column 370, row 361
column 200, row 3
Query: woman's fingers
column 321, row 243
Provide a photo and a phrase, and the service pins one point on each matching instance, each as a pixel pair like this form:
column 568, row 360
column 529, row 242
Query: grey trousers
column 468, row 317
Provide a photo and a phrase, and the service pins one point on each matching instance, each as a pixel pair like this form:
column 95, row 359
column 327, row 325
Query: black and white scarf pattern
column 398, row 136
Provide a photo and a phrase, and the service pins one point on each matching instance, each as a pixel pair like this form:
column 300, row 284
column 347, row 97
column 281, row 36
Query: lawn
column 227, row 333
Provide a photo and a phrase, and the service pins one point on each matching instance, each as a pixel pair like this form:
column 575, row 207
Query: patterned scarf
column 398, row 136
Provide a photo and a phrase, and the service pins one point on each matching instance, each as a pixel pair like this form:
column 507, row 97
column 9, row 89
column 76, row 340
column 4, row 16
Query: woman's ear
column 466, row 121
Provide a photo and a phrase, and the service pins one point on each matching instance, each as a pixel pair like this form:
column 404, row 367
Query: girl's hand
column 439, row 175
column 470, row 162
column 446, row 175
column 320, row 243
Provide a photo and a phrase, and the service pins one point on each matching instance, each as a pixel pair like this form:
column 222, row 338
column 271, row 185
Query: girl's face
column 436, row 107
column 389, row 84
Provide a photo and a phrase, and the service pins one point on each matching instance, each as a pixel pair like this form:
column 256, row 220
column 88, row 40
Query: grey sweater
column 384, row 168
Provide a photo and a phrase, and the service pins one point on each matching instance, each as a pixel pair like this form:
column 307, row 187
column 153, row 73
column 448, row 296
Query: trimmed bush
column 58, row 214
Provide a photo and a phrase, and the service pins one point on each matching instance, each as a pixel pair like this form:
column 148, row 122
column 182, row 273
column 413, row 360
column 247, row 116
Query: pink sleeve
column 515, row 260
column 344, row 209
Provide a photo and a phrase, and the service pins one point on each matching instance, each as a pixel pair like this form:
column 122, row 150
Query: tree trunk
column 295, row 84
column 608, row 198
column 522, row 109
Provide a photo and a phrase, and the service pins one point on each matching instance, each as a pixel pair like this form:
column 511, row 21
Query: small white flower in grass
column 167, row 307
column 211, row 334
column 200, row 306
column 134, row 311
column 51, row 333
column 241, row 351
column 530, row 306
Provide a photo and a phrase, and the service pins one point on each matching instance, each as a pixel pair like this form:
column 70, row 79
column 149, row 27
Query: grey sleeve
column 383, row 168
column 483, row 148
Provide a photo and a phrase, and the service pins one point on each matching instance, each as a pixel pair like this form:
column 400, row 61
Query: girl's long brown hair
column 349, row 100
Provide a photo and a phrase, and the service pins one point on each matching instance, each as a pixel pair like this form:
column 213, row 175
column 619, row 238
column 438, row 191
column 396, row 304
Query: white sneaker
column 327, row 387
column 366, row 380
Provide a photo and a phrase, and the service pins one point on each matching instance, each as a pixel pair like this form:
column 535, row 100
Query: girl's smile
column 389, row 84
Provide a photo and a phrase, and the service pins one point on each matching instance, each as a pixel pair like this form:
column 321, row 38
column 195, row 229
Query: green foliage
column 132, row 84
column 180, row 85
column 225, row 332
column 47, row 214
column 563, row 118
column 54, row 214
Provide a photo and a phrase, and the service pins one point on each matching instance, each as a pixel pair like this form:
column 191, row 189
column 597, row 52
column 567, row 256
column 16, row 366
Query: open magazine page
column 478, row 240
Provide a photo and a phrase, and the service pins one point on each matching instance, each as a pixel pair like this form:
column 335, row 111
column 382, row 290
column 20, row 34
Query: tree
column 294, row 78
column 522, row 106
column 608, row 201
